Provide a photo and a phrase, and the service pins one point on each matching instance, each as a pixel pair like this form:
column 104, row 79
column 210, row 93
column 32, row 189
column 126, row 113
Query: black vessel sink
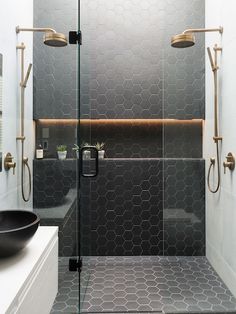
column 17, row 227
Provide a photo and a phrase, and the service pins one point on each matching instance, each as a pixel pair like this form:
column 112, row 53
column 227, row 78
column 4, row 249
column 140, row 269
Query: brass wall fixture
column 51, row 37
column 187, row 39
column 21, row 137
column 229, row 163
column 216, row 137
column 9, row 163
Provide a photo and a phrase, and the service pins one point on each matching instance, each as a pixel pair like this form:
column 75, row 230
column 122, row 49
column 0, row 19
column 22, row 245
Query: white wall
column 221, row 207
column 15, row 13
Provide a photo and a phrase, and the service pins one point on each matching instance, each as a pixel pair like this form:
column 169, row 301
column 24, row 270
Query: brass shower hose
column 212, row 163
column 24, row 162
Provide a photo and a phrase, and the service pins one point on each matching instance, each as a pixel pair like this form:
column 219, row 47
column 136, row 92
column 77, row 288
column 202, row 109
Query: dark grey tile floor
column 142, row 285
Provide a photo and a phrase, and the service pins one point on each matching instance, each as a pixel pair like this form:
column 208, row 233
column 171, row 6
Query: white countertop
column 16, row 271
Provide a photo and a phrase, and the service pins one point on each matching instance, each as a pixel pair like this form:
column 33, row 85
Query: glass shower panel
column 145, row 101
column 121, row 208
column 56, row 116
column 183, row 109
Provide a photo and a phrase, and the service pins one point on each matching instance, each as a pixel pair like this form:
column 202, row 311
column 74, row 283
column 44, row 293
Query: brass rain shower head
column 51, row 37
column 55, row 39
column 187, row 39
column 183, row 40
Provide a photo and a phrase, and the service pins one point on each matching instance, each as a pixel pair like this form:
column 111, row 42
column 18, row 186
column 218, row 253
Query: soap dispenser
column 39, row 152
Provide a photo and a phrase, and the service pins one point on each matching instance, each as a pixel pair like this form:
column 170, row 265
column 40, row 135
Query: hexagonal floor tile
column 143, row 284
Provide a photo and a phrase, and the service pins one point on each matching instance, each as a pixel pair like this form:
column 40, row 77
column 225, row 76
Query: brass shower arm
column 203, row 30
column 37, row 29
column 187, row 38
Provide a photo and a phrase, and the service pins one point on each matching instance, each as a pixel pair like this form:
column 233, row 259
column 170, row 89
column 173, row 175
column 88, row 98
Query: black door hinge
column 75, row 264
column 75, row 37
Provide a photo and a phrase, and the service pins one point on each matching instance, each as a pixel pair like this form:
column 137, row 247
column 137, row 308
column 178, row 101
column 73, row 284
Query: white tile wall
column 221, row 207
column 15, row 13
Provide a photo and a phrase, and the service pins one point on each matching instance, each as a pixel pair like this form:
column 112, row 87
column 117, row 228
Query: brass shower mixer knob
column 230, row 163
column 8, row 162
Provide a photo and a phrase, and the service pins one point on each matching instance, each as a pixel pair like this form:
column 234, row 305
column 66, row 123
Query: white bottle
column 39, row 152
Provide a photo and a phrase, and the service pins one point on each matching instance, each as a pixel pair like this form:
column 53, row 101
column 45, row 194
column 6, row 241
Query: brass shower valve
column 230, row 163
column 8, row 162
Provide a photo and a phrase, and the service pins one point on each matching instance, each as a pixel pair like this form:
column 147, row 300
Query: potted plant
column 101, row 151
column 76, row 149
column 61, row 151
column 86, row 153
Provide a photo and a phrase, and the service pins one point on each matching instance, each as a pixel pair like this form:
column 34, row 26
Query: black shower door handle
column 95, row 159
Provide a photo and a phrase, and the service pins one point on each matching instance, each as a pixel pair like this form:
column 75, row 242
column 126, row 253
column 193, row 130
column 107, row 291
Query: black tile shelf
column 63, row 216
column 134, row 121
column 52, row 181
column 115, row 158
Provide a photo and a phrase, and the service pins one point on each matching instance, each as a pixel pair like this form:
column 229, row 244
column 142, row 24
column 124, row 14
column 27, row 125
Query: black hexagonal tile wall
column 67, row 227
column 182, row 140
column 184, row 207
column 184, row 69
column 55, row 69
column 126, row 72
column 123, row 215
column 122, row 208
column 52, row 181
column 128, row 69
column 55, row 199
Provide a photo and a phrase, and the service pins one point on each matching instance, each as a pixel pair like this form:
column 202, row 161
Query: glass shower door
column 121, row 105
column 56, row 116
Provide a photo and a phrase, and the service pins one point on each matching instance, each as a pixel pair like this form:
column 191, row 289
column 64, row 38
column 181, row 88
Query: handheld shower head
column 210, row 58
column 27, row 75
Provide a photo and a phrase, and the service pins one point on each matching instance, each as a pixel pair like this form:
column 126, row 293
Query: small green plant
column 76, row 147
column 100, row 146
column 61, row 148
column 84, row 144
